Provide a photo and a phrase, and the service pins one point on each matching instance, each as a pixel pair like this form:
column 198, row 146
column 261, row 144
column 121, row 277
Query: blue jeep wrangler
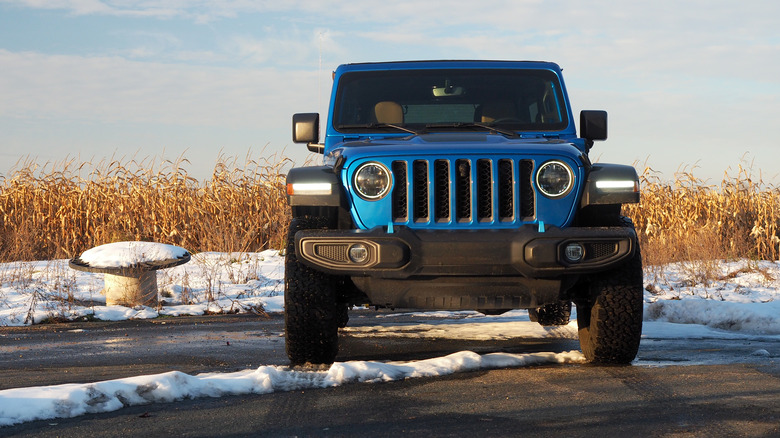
column 460, row 185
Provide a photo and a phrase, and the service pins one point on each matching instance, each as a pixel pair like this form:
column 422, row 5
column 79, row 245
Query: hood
column 455, row 144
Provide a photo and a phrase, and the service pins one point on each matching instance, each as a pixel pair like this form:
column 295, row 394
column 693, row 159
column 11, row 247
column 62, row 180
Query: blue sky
column 686, row 83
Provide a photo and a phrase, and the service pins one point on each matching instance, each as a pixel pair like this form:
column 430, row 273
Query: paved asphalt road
column 720, row 391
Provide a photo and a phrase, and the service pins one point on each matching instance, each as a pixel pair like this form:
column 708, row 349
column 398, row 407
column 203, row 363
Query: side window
column 551, row 112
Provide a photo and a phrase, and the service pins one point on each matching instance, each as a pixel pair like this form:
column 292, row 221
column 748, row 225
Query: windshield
column 426, row 100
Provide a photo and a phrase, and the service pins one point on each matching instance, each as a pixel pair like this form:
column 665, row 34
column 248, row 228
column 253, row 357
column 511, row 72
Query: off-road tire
column 343, row 315
column 609, row 318
column 312, row 314
column 551, row 314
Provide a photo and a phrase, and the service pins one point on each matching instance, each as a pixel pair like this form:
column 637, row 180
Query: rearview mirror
column 447, row 90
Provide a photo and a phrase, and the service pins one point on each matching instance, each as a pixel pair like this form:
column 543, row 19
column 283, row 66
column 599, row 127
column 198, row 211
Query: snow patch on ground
column 750, row 318
column 740, row 303
column 515, row 325
column 742, row 298
column 63, row 401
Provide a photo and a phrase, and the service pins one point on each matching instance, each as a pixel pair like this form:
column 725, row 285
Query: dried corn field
column 688, row 219
column 60, row 210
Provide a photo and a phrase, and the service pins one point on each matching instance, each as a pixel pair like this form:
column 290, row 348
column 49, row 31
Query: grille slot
column 463, row 190
column 485, row 190
column 400, row 196
column 420, row 187
column 527, row 194
column 441, row 187
column 506, row 205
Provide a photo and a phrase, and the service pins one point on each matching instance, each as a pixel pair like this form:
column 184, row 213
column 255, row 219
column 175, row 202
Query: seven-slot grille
column 482, row 190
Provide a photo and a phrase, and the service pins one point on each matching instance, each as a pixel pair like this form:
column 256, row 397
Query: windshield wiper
column 493, row 129
column 378, row 125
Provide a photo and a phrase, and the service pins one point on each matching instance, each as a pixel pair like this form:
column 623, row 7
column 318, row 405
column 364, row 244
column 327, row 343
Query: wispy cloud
column 89, row 7
column 281, row 47
column 111, row 89
column 200, row 11
column 671, row 73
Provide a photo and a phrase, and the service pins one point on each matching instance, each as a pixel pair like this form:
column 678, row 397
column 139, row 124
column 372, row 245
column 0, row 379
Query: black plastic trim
column 465, row 292
column 316, row 174
column 524, row 252
column 604, row 172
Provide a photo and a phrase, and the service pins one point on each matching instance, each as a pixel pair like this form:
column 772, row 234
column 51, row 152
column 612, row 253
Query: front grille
column 483, row 190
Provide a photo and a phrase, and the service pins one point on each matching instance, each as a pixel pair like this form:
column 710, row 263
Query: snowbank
column 742, row 303
column 62, row 401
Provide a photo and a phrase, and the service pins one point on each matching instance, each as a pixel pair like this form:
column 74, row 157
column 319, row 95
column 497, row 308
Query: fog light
column 358, row 253
column 574, row 252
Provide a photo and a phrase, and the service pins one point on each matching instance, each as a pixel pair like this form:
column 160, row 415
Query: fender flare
column 316, row 186
column 624, row 193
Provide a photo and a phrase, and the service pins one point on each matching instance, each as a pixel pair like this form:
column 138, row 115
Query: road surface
column 718, row 388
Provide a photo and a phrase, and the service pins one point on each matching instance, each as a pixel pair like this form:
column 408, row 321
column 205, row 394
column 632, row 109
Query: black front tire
column 609, row 317
column 312, row 314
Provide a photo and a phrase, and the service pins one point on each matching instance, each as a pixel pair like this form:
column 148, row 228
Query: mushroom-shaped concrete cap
column 129, row 267
column 117, row 258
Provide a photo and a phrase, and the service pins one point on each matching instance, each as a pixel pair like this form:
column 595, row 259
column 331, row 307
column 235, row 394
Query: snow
column 126, row 254
column 738, row 300
column 61, row 401
column 475, row 326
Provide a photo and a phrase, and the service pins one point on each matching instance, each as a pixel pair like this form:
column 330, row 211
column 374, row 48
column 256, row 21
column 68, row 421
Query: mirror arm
column 317, row 148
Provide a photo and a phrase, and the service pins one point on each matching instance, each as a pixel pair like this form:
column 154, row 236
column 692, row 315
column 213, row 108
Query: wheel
column 312, row 314
column 551, row 314
column 343, row 315
column 609, row 318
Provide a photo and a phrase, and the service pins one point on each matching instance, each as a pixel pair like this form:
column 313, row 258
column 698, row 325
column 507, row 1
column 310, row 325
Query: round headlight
column 372, row 181
column 554, row 179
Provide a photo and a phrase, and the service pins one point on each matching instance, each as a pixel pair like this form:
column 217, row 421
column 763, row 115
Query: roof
column 437, row 64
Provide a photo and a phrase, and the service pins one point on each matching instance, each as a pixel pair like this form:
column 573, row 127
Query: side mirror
column 306, row 129
column 593, row 125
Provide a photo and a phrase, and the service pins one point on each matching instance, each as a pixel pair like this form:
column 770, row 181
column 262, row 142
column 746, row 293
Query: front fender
column 316, row 186
column 609, row 184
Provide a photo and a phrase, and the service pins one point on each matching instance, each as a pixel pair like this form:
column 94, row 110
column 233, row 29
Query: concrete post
column 131, row 291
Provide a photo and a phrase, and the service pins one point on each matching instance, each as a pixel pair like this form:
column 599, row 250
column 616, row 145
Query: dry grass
column 60, row 210
column 687, row 220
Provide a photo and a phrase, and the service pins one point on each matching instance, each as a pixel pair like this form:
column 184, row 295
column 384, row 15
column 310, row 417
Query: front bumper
column 525, row 251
